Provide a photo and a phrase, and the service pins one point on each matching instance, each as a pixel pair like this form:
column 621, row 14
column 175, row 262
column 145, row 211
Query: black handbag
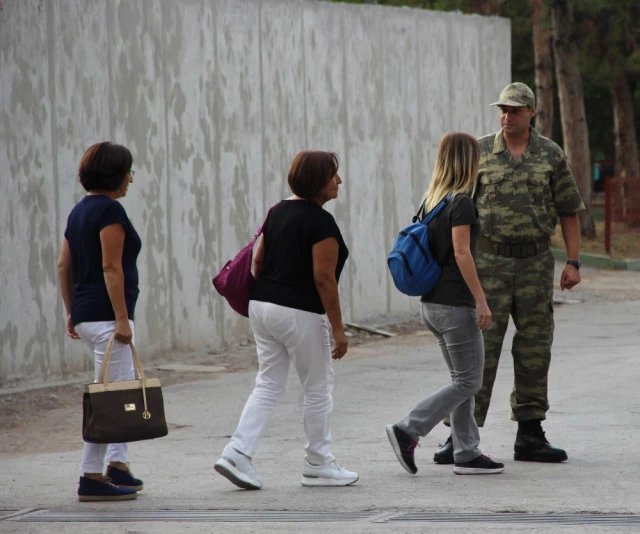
column 124, row 411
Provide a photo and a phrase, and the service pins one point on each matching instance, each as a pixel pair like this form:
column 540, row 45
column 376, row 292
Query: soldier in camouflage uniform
column 524, row 185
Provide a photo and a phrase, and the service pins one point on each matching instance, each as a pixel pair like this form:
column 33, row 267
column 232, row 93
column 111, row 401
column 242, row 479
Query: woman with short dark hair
column 297, row 265
column 99, row 285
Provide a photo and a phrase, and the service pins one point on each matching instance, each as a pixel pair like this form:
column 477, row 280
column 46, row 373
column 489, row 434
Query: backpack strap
column 420, row 215
column 430, row 216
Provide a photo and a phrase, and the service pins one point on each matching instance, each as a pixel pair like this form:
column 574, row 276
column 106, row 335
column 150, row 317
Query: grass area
column 623, row 246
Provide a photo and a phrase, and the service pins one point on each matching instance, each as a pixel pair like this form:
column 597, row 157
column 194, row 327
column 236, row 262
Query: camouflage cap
column 516, row 94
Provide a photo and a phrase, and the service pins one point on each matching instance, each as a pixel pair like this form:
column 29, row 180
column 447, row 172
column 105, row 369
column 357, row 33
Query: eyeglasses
column 131, row 173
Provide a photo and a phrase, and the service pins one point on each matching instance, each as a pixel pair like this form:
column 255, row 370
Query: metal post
column 608, row 213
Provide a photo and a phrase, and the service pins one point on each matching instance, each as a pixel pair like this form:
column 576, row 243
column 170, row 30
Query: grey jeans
column 460, row 341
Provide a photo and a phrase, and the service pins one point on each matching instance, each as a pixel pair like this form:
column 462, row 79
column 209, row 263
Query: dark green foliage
column 608, row 35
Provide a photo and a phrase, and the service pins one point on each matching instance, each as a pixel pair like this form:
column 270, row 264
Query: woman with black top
column 297, row 265
column 99, row 285
column 455, row 312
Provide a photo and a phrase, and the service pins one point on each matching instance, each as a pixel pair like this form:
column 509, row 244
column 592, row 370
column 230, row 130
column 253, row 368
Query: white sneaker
column 237, row 467
column 331, row 474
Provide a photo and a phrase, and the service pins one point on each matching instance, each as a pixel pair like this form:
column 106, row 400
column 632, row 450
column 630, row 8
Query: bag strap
column 106, row 360
column 105, row 368
column 418, row 216
column 255, row 236
column 137, row 365
column 429, row 217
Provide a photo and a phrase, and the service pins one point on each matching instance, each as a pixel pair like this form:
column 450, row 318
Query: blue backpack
column 414, row 270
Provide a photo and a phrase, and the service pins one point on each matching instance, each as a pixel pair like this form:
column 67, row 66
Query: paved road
column 595, row 415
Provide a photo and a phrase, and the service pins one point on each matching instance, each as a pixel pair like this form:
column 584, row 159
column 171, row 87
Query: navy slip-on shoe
column 124, row 479
column 91, row 490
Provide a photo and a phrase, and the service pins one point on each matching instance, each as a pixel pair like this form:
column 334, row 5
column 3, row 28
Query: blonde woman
column 455, row 312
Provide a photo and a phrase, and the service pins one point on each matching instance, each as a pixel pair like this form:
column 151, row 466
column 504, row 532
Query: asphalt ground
column 594, row 415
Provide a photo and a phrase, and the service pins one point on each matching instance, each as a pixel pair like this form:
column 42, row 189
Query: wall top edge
column 398, row 9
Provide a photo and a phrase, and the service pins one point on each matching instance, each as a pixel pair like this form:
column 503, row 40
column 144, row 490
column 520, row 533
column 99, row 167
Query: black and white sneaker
column 404, row 447
column 482, row 465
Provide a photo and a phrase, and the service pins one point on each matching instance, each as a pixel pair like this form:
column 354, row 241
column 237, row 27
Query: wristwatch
column 576, row 263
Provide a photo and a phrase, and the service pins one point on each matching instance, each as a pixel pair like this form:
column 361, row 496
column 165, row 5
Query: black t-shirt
column 290, row 231
column 452, row 290
column 90, row 301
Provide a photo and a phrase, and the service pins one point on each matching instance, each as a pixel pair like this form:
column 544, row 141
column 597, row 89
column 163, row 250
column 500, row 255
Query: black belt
column 512, row 250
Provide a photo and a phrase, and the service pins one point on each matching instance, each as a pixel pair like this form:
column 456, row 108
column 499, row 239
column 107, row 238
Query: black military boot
column 532, row 445
column 445, row 454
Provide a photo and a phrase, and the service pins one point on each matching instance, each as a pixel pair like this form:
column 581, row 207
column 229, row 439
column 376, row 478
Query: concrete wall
column 214, row 98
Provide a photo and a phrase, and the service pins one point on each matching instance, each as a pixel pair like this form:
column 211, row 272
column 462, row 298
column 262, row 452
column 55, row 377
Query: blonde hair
column 456, row 169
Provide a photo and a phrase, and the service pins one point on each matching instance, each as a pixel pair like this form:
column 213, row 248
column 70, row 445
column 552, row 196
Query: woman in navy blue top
column 99, row 285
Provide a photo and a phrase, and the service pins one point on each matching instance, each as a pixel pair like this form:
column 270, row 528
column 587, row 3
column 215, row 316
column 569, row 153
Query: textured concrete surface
column 594, row 415
column 214, row 98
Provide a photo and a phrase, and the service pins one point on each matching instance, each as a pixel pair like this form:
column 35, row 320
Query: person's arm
column 66, row 285
column 112, row 241
column 325, row 259
column 570, row 225
column 568, row 203
column 461, row 236
column 258, row 258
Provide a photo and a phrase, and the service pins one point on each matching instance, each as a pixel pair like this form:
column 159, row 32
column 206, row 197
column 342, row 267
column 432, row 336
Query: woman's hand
column 484, row 314
column 342, row 344
column 123, row 332
column 71, row 331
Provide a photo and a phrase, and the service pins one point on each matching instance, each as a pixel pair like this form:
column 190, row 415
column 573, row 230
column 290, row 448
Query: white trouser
column 96, row 335
column 285, row 336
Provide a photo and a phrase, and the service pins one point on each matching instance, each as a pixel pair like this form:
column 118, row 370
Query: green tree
column 543, row 56
column 607, row 36
column 611, row 55
column 572, row 110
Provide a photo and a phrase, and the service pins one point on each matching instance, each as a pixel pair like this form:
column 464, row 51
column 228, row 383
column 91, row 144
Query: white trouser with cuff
column 285, row 337
column 96, row 335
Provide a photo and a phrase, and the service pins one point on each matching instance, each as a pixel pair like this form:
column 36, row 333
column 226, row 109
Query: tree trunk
column 624, row 127
column 572, row 114
column 544, row 67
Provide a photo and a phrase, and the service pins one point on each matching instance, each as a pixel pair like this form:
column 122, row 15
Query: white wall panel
column 214, row 98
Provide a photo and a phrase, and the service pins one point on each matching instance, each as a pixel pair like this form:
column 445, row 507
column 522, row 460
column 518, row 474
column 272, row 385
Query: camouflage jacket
column 520, row 201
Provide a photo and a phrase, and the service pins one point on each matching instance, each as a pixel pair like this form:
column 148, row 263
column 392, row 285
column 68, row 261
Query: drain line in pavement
column 558, row 519
column 236, row 516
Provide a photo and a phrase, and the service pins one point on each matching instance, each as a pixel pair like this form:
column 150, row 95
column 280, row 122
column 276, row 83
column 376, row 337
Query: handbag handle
column 106, row 363
column 105, row 369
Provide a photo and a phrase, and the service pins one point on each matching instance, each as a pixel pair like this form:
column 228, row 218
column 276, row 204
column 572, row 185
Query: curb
column 599, row 261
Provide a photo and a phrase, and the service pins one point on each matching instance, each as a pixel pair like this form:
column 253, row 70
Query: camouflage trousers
column 521, row 289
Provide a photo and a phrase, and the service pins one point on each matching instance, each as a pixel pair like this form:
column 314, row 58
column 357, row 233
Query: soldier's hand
column 570, row 277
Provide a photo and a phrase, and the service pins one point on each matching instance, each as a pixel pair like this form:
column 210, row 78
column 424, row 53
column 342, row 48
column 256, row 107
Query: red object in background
column 622, row 208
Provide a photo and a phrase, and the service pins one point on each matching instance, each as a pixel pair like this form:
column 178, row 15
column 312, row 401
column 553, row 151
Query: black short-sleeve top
column 451, row 289
column 290, row 231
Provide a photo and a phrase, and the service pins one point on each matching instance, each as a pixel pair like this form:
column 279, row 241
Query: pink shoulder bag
column 235, row 280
